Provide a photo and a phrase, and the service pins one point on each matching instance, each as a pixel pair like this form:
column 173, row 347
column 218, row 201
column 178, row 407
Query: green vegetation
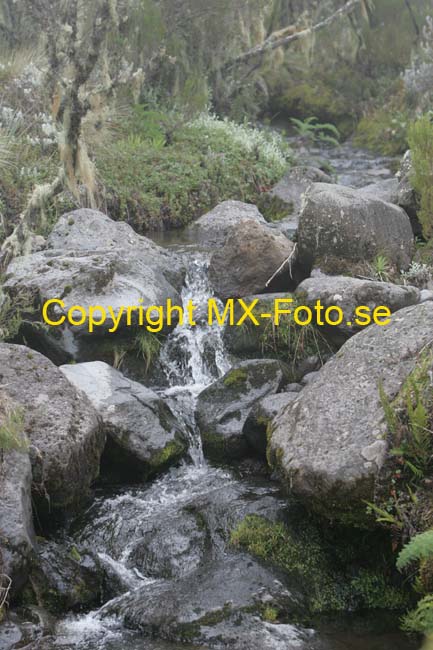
column 291, row 342
column 311, row 131
column 147, row 345
column 236, row 377
column 381, row 268
column 384, row 131
column 164, row 171
column 405, row 506
column 12, row 437
column 12, row 313
column 421, row 144
column 318, row 568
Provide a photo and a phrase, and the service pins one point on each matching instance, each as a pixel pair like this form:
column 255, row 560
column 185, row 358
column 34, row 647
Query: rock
column 425, row 295
column 65, row 578
column 310, row 377
column 293, row 344
column 386, row 190
column 282, row 204
column 192, row 608
column 17, row 537
column 248, row 260
column 145, row 437
column 350, row 293
column 212, row 228
column 341, row 228
column 263, row 412
column 406, row 196
column 223, row 407
column 64, row 433
column 92, row 260
column 329, row 444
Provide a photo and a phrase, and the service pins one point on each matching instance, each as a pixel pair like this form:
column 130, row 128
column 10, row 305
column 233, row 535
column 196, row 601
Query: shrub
column 421, row 143
column 11, row 431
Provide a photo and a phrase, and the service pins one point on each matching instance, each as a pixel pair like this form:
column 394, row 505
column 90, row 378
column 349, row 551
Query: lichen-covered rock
column 341, row 226
column 144, row 436
column 249, row 258
column 386, row 190
column 330, row 444
column 63, row 430
column 212, row 228
column 223, row 407
column 285, row 199
column 350, row 293
column 92, row 260
column 65, row 578
column 17, row 537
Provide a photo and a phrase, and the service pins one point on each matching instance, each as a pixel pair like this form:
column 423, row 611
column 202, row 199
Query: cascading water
column 193, row 356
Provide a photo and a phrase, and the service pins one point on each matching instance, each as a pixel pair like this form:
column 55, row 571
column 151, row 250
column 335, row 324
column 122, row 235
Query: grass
column 421, row 144
column 160, row 175
column 11, row 431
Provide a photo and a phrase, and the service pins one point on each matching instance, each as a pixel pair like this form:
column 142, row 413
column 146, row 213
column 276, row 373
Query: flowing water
column 149, row 538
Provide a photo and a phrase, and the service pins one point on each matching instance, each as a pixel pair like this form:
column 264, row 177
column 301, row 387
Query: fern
column 419, row 548
column 420, row 619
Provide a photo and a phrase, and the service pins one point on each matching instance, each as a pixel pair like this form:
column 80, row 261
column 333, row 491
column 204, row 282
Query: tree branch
column 272, row 43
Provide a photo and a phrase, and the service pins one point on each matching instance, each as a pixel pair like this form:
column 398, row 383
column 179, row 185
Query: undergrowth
column 405, row 506
column 163, row 172
column 421, row 144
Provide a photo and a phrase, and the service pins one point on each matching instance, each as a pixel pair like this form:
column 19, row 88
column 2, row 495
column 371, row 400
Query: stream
column 166, row 544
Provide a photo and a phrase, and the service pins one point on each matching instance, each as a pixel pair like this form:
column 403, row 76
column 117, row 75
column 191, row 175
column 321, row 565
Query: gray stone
column 261, row 415
column 310, row 377
column 290, row 189
column 64, row 433
column 350, row 293
column 223, row 407
column 212, row 228
column 386, row 190
column 330, row 443
column 143, row 430
column 17, row 537
column 425, row 295
column 341, row 227
column 92, row 260
column 248, row 260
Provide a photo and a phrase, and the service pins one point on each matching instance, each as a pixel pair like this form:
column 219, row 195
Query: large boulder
column 350, row 293
column 144, row 436
column 282, row 204
column 407, row 197
column 212, row 228
column 92, row 260
column 17, row 537
column 386, row 190
column 330, row 444
column 223, row 407
column 251, row 255
column 63, row 430
column 340, row 228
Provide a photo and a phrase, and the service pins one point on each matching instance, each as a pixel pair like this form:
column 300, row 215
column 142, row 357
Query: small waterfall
column 193, row 355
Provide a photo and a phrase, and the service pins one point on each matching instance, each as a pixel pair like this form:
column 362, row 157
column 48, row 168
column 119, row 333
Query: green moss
column 270, row 614
column 236, row 377
column 172, row 452
column 320, row 569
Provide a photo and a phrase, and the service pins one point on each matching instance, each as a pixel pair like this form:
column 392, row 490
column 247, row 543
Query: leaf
column 420, row 547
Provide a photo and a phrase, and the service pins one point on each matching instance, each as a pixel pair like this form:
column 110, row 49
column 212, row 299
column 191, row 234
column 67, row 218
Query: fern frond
column 420, row 547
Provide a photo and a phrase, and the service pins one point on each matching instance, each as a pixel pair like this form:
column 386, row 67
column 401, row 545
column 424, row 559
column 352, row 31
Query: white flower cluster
column 270, row 146
column 418, row 274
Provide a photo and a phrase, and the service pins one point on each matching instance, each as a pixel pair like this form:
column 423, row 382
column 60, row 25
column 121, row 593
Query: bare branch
column 273, row 43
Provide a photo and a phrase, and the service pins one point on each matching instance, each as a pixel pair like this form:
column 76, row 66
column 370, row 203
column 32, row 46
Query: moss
column 270, row 614
column 236, row 377
column 172, row 452
column 325, row 574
